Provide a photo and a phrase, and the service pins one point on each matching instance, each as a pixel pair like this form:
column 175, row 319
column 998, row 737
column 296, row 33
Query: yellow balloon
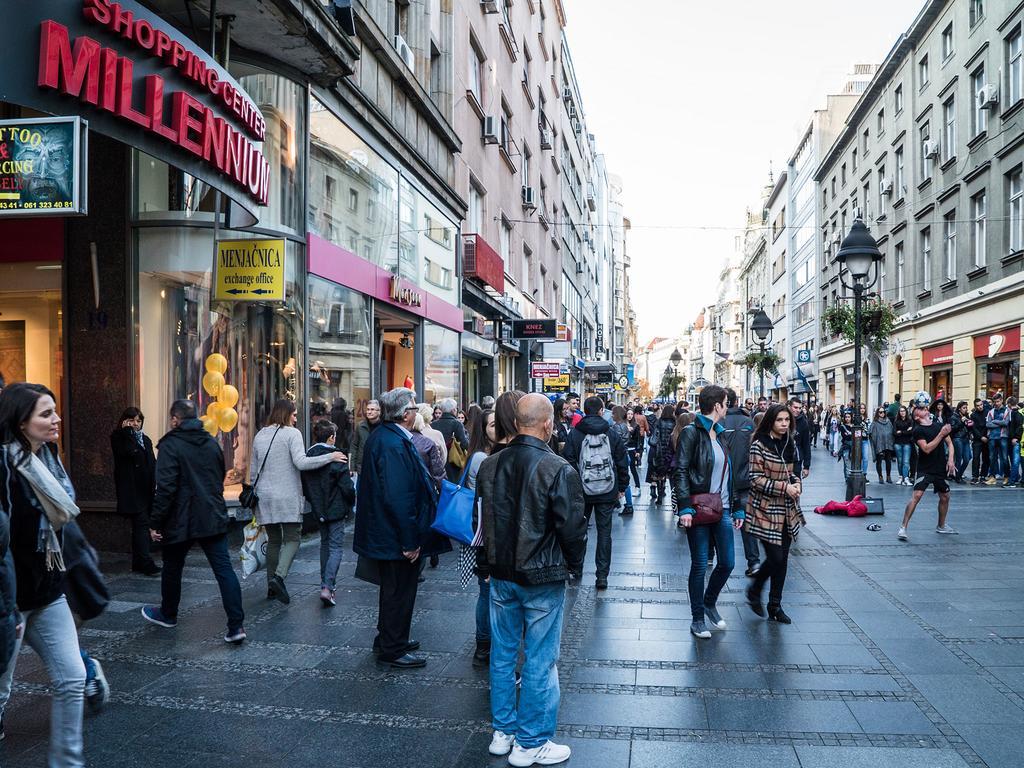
column 212, row 382
column 209, row 425
column 214, row 410
column 228, row 419
column 217, row 363
column 228, row 396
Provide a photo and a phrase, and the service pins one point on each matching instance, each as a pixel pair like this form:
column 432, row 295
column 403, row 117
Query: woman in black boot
column 775, row 517
column 661, row 450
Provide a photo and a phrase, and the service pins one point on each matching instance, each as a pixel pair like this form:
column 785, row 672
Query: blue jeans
column 483, row 610
column 332, row 546
column 998, row 466
column 903, row 459
column 961, row 455
column 532, row 615
column 699, row 538
column 629, row 496
column 50, row 632
column 1013, row 460
column 848, row 459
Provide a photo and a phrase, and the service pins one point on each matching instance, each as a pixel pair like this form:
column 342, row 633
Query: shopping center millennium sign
column 139, row 80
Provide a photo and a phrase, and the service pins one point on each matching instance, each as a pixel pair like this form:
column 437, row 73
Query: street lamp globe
column 761, row 325
column 858, row 251
column 675, row 357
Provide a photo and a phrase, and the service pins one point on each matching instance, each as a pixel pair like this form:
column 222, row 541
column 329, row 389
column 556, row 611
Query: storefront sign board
column 141, row 81
column 557, row 383
column 997, row 343
column 545, row 370
column 43, row 166
column 250, row 270
column 536, row 330
column 938, row 355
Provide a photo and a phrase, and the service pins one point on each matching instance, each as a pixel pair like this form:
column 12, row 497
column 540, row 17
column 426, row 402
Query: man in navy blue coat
column 395, row 508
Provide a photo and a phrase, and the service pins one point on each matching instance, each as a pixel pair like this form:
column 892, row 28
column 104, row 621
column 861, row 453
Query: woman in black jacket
column 660, row 462
column 903, row 430
column 134, row 482
column 38, row 499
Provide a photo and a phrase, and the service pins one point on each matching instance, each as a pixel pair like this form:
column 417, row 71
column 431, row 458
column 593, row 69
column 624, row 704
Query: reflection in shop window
column 180, row 327
column 442, row 360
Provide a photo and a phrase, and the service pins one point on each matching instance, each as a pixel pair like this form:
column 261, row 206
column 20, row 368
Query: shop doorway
column 939, row 383
column 397, row 357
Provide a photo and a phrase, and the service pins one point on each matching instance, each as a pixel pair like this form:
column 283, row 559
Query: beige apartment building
column 931, row 159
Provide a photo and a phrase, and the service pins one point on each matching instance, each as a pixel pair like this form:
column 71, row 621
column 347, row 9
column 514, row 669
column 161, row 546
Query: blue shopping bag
column 454, row 516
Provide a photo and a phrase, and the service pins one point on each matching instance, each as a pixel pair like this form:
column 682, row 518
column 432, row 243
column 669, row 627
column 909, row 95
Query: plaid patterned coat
column 771, row 510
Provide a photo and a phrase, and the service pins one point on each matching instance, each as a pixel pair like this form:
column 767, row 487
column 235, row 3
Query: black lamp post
column 762, row 326
column 675, row 358
column 858, row 253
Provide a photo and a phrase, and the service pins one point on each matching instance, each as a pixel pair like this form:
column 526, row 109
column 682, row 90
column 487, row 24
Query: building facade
column 931, row 159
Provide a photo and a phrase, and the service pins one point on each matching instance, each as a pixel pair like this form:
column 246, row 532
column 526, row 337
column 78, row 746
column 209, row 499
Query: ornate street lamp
column 858, row 253
column 762, row 326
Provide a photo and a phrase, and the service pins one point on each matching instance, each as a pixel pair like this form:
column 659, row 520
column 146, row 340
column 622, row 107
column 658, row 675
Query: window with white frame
column 947, row 41
column 900, row 189
column 979, row 116
column 475, row 214
column 853, row 160
column 926, row 259
column 922, row 71
column 1016, row 185
column 881, row 122
column 526, row 165
column 506, row 243
column 524, row 277
column 977, row 11
column 865, row 140
column 979, row 213
column 926, row 161
column 476, row 77
column 1013, row 68
column 542, row 289
column 900, row 265
column 881, row 186
column 898, row 98
column 867, row 199
column 949, row 245
column 949, row 129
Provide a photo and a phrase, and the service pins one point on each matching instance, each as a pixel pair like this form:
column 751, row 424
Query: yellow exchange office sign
column 250, row 270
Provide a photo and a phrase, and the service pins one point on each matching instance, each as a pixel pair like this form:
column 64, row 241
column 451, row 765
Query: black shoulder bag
column 248, row 498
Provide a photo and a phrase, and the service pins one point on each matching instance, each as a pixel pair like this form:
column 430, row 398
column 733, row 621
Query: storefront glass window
column 1002, row 377
column 180, row 327
column 426, row 245
column 339, row 349
column 441, row 357
column 353, row 193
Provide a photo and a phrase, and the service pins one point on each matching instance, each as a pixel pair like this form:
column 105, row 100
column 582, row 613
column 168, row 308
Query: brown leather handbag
column 707, row 507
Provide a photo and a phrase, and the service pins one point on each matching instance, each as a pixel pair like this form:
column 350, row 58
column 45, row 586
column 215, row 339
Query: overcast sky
column 691, row 101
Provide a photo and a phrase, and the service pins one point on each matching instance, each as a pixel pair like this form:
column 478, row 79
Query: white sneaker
column 901, row 534
column 546, row 754
column 946, row 529
column 501, row 743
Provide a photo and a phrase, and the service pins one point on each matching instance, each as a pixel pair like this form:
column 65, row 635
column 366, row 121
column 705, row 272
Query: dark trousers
column 216, row 550
column 142, row 559
column 979, row 462
column 879, row 458
column 774, row 567
column 634, row 457
column 603, row 512
column 398, row 582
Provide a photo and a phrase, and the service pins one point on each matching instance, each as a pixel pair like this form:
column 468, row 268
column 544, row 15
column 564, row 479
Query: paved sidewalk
column 900, row 654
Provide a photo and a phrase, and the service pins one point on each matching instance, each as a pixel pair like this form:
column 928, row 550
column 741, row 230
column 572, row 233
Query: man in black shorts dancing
column 934, row 464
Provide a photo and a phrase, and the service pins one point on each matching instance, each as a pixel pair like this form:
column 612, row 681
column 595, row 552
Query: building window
column 1013, row 67
column 978, row 215
column 922, row 71
column 866, row 138
column 542, row 286
column 506, row 243
column 353, row 200
column 949, row 244
column 842, row 172
column 949, row 129
column 979, row 117
column 881, row 122
column 476, row 73
column 901, row 188
column 898, row 98
column 900, row 264
column 524, row 282
column 977, row 11
column 947, row 41
column 881, row 187
column 475, row 214
column 867, row 199
column 926, row 258
column 1016, row 183
column 526, row 165
column 926, row 161
column 833, row 187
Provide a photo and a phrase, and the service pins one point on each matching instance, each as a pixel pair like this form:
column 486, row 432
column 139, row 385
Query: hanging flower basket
column 767, row 361
column 877, row 322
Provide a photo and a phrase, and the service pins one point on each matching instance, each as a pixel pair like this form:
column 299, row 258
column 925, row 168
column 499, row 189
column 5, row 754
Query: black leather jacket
column 532, row 513
column 695, row 463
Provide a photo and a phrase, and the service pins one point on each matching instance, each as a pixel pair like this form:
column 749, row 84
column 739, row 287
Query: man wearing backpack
column 599, row 455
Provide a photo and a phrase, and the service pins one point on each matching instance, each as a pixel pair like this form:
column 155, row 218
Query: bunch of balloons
column 220, row 415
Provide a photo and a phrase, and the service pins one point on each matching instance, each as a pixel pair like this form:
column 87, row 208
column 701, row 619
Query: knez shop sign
column 139, row 80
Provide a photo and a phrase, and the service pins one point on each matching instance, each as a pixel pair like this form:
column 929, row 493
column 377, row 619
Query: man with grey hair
column 534, row 537
column 396, row 504
column 451, row 430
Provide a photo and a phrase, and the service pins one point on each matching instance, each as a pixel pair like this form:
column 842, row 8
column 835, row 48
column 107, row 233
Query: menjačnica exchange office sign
column 137, row 79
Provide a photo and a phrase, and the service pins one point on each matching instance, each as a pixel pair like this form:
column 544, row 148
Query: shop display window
column 442, row 363
column 234, row 359
column 1002, row 377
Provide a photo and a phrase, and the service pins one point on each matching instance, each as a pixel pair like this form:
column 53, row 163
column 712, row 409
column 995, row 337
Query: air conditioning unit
column 489, row 6
column 491, row 129
column 885, row 187
column 931, row 149
column 545, row 138
column 567, row 95
column 988, row 97
column 405, row 52
column 529, row 198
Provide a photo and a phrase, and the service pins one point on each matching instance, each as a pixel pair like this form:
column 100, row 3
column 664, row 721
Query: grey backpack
column 596, row 468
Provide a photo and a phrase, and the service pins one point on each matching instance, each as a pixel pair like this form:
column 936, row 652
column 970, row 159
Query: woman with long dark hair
column 683, row 420
column 961, row 422
column 563, row 423
column 38, row 499
column 505, row 418
column 134, row 483
column 635, row 446
column 883, row 446
column 775, row 516
column 661, row 453
column 903, row 429
column 624, row 428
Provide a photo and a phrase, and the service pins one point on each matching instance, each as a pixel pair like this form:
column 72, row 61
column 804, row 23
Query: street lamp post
column 675, row 358
column 762, row 326
column 858, row 253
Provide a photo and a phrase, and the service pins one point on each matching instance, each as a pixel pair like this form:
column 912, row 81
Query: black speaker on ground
column 875, row 506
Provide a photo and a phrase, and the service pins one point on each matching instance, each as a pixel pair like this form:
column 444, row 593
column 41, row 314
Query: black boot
column 482, row 654
column 775, row 613
column 754, row 600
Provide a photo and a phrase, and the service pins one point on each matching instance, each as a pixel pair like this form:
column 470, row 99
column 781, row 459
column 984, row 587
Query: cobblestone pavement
column 899, row 655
